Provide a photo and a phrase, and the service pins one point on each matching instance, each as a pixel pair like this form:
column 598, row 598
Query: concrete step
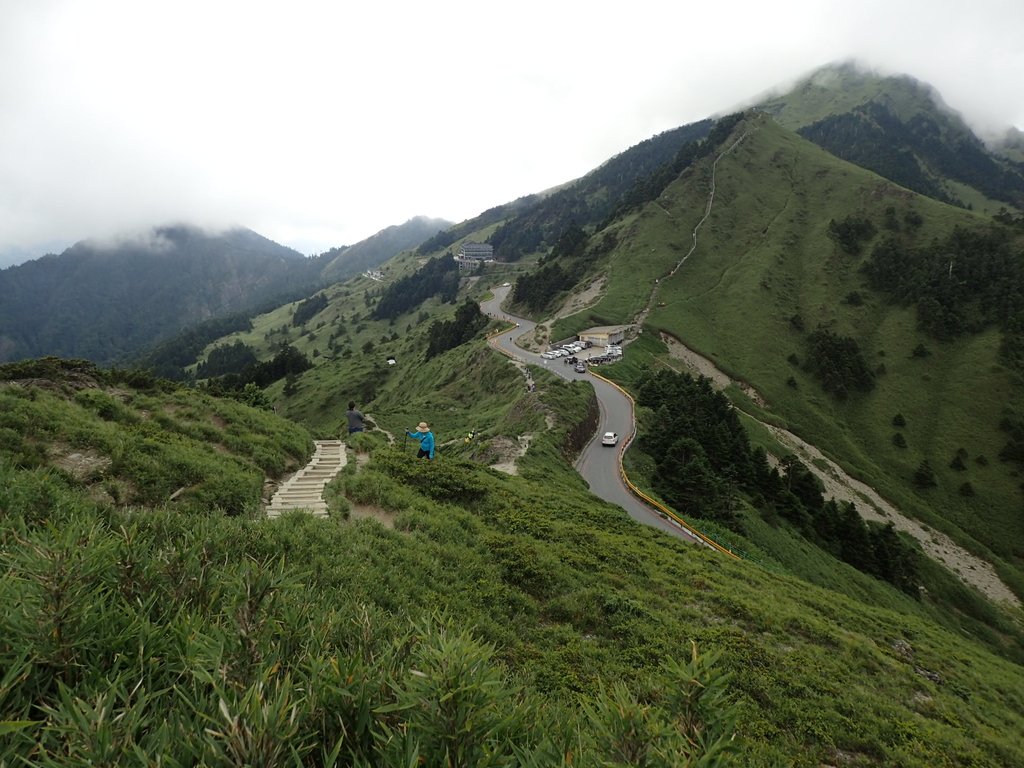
column 305, row 489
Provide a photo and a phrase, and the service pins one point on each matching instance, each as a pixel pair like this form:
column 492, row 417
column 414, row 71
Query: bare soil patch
column 699, row 365
column 372, row 512
column 582, row 299
column 82, row 464
column 509, row 452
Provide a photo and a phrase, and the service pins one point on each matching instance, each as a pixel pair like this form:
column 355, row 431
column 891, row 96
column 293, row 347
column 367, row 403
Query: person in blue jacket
column 426, row 438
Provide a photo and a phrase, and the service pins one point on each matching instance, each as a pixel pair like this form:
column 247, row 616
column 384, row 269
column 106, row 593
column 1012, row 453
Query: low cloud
column 321, row 124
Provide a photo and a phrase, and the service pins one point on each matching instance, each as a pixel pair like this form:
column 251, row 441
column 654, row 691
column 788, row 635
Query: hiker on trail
column 355, row 419
column 426, row 438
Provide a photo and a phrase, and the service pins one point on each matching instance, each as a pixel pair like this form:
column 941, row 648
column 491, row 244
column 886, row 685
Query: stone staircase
column 305, row 489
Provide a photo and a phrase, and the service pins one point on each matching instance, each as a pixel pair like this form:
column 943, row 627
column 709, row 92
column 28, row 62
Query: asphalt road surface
column 597, row 464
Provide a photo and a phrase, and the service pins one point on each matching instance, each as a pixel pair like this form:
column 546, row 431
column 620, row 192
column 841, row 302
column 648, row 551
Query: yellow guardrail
column 669, row 513
column 495, row 334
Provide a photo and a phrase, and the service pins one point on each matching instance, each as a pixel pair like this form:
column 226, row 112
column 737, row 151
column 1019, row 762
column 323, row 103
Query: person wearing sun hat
column 426, row 438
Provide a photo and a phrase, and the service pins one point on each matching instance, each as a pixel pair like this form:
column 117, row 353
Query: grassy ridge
column 951, row 400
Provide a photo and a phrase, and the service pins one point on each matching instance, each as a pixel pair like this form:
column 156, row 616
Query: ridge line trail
column 642, row 315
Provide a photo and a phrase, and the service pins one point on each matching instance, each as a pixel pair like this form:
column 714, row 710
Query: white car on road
column 610, row 438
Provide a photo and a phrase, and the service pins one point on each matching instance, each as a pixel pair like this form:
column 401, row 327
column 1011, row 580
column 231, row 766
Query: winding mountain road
column 598, row 465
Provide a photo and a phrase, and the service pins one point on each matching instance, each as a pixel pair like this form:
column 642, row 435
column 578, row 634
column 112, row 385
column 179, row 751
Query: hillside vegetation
column 826, row 366
column 771, row 243
column 497, row 623
column 339, row 263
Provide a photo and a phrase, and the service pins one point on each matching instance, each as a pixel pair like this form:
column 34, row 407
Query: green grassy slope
column 840, row 88
column 544, row 617
column 649, row 242
column 126, row 440
column 764, row 257
column 900, row 128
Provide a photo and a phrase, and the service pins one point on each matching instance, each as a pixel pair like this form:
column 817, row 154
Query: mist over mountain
column 102, row 300
column 902, row 129
column 105, row 300
column 1010, row 144
column 348, row 260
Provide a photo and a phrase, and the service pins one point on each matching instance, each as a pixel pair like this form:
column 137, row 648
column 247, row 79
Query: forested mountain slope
column 591, row 199
column 105, row 302
column 339, row 263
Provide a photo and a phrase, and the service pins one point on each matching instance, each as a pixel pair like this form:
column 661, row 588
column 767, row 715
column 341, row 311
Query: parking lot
column 571, row 353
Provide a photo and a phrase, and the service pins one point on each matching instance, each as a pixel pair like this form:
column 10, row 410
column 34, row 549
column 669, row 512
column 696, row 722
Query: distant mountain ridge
column 104, row 301
column 109, row 301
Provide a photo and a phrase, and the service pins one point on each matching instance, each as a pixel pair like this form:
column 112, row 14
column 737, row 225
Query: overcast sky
column 319, row 123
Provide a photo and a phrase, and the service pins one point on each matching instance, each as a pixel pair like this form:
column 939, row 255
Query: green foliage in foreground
column 498, row 624
column 219, row 641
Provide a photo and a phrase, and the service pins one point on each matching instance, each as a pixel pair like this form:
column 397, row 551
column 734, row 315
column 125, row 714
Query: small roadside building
column 604, row 335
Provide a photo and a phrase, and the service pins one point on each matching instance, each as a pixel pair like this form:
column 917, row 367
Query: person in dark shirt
column 355, row 419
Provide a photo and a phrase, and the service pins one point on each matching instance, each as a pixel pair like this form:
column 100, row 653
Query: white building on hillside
column 471, row 255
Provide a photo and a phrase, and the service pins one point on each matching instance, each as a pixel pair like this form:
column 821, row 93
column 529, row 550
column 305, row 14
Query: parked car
column 549, row 355
column 610, row 438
